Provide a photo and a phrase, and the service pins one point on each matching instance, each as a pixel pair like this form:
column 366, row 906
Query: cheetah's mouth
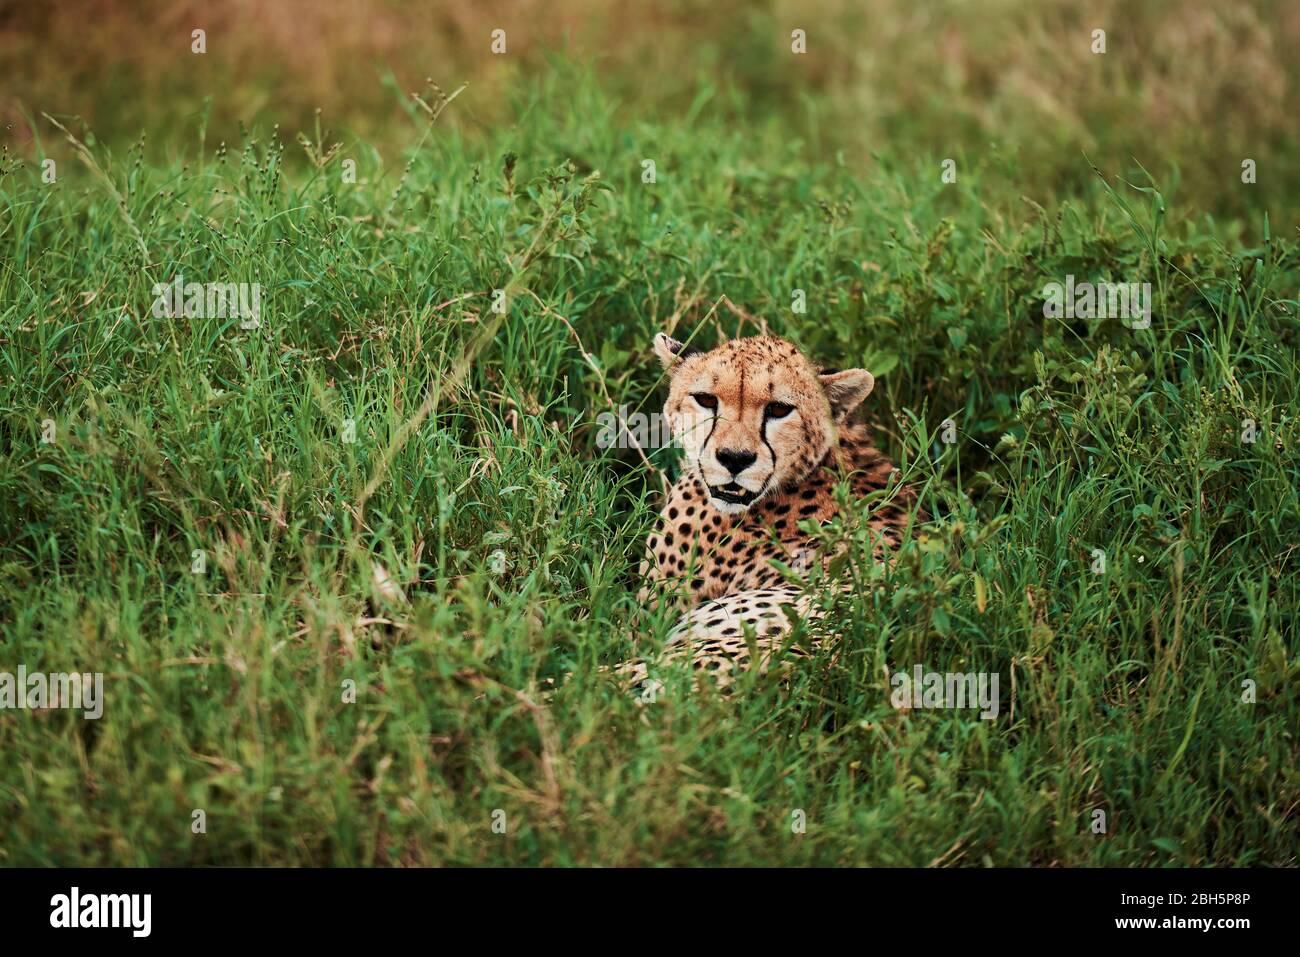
column 733, row 494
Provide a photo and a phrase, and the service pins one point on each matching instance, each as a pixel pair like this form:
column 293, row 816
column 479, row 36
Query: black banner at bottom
column 335, row 907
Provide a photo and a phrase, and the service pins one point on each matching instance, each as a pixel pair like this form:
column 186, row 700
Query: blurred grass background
column 1187, row 88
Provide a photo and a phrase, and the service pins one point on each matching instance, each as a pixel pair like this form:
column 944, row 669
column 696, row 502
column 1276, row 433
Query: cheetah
column 765, row 438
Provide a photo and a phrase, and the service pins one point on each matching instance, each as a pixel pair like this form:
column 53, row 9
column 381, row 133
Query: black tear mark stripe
column 713, row 424
column 763, row 433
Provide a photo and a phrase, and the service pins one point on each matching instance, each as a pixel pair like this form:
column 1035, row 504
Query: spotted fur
column 766, row 438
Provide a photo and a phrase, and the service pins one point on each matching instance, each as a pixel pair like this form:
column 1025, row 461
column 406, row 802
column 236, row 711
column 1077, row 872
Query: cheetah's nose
column 736, row 462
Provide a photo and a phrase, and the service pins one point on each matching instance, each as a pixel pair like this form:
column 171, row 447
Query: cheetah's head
column 754, row 415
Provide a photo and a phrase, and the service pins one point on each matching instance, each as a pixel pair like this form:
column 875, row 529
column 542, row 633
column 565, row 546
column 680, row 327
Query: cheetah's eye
column 778, row 410
column 706, row 400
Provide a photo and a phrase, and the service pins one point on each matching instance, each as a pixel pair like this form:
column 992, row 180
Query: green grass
column 475, row 432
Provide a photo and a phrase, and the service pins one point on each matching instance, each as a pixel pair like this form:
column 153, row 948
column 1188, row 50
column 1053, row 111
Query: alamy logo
column 37, row 690
column 939, row 689
column 209, row 300
column 134, row 911
column 1130, row 301
column 619, row 430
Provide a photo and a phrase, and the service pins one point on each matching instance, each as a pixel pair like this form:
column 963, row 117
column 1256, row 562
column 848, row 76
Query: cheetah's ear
column 846, row 389
column 671, row 352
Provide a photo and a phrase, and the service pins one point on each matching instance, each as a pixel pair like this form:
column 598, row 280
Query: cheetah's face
column 754, row 415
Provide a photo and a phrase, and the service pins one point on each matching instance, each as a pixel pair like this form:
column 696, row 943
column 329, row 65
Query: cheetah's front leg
column 713, row 635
